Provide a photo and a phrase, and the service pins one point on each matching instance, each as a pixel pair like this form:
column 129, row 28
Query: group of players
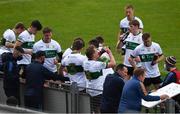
column 87, row 71
column 23, row 50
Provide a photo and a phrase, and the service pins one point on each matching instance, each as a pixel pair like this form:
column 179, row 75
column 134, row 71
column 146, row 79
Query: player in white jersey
column 103, row 56
column 74, row 64
column 51, row 48
column 150, row 54
column 9, row 37
column 66, row 52
column 26, row 40
column 95, row 79
column 124, row 27
column 69, row 50
column 131, row 42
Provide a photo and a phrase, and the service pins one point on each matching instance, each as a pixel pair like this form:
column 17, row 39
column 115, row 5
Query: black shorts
column 130, row 70
column 149, row 81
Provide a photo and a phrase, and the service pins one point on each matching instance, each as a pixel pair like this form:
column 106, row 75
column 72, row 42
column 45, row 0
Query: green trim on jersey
column 73, row 69
column 147, row 57
column 93, row 75
column 104, row 59
column 131, row 45
column 28, row 45
column 50, row 53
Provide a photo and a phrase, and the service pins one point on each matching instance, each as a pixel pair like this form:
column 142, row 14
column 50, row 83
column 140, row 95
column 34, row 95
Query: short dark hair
column 129, row 6
column 78, row 44
column 94, row 42
column 19, row 25
column 134, row 22
column 47, row 30
column 78, row 38
column 146, row 36
column 39, row 54
column 100, row 39
column 19, row 48
column 90, row 51
column 36, row 24
column 138, row 72
column 119, row 67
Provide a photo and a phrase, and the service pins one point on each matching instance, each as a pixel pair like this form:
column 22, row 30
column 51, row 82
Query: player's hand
column 137, row 59
column 154, row 62
column 108, row 51
column 162, row 97
column 55, row 61
column 155, row 59
column 121, row 36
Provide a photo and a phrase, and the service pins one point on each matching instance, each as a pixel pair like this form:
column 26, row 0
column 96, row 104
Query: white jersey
column 124, row 23
column 66, row 52
column 51, row 49
column 74, row 62
column 146, row 55
column 94, row 67
column 130, row 44
column 27, row 39
column 10, row 36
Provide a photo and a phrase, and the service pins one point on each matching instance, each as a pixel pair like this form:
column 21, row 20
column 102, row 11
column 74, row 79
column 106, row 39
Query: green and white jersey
column 95, row 78
column 124, row 23
column 9, row 36
column 74, row 64
column 130, row 44
column 27, row 40
column 146, row 55
column 51, row 49
column 66, row 52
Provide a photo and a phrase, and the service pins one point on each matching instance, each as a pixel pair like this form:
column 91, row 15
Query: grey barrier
column 12, row 109
column 65, row 98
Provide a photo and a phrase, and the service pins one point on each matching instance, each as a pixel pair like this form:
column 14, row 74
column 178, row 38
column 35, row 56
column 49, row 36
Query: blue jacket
column 133, row 93
column 112, row 90
column 171, row 77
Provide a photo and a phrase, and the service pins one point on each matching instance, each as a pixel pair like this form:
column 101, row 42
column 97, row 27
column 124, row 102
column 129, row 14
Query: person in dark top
column 11, row 75
column 172, row 76
column 134, row 91
column 112, row 89
column 35, row 77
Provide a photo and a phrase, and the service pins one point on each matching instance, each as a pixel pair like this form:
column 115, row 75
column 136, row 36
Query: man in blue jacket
column 112, row 89
column 133, row 91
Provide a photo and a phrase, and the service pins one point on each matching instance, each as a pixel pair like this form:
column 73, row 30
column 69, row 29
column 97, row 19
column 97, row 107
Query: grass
column 88, row 18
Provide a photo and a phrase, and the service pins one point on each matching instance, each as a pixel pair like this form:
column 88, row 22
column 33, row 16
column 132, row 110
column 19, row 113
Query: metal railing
column 66, row 98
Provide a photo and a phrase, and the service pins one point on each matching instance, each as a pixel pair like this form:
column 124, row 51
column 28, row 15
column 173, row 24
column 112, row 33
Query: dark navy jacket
column 132, row 95
column 112, row 90
column 171, row 77
column 36, row 74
